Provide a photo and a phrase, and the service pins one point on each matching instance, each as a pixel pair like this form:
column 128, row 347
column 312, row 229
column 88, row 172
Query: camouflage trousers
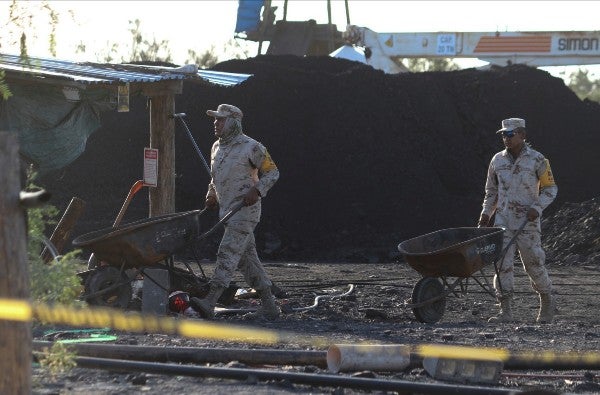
column 529, row 245
column 238, row 251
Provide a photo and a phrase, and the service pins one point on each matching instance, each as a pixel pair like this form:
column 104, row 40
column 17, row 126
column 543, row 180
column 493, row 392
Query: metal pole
column 347, row 12
column 328, row 380
column 196, row 354
column 330, row 43
column 180, row 117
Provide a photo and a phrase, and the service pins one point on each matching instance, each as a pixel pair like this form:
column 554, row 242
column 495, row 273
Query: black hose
column 328, row 380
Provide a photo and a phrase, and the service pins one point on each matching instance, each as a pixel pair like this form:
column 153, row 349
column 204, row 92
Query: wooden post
column 15, row 337
column 162, row 137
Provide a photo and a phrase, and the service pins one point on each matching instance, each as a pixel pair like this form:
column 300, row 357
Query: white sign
column 446, row 44
column 150, row 167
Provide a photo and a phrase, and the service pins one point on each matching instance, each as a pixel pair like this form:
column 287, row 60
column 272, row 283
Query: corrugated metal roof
column 109, row 74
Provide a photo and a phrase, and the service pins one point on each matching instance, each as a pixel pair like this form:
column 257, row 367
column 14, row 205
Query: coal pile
column 366, row 159
column 572, row 234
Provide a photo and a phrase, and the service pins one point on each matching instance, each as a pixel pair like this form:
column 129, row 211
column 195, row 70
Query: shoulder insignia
column 547, row 179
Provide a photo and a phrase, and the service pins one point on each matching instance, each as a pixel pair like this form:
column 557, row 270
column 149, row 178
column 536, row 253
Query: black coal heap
column 366, row 159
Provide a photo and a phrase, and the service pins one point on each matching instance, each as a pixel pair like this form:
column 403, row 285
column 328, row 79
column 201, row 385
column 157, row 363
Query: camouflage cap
column 511, row 124
column 225, row 111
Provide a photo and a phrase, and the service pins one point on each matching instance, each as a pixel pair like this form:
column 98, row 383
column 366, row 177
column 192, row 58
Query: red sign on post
column 150, row 167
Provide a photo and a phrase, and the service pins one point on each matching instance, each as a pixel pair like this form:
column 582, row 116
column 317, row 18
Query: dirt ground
column 367, row 160
column 374, row 311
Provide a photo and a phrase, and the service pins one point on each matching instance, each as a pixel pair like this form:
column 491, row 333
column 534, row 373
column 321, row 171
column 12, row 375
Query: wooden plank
column 159, row 88
column 65, row 226
column 15, row 341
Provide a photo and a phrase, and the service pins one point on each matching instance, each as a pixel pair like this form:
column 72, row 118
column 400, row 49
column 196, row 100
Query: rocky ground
column 374, row 311
column 349, row 303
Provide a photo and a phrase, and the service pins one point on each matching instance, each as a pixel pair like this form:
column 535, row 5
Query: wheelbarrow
column 124, row 252
column 447, row 259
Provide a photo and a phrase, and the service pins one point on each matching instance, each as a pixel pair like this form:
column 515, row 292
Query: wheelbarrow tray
column 453, row 252
column 145, row 242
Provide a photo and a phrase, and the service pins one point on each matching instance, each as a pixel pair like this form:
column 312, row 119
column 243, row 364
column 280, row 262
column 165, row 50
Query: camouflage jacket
column 235, row 168
column 515, row 185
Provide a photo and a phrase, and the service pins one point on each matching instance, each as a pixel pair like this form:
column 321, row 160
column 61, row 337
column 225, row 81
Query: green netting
column 52, row 130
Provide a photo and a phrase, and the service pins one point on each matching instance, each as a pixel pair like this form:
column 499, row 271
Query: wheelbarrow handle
column 225, row 218
column 512, row 240
column 505, row 250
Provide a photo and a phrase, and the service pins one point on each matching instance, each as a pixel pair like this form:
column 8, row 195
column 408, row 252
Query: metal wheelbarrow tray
column 123, row 252
column 144, row 242
column 457, row 253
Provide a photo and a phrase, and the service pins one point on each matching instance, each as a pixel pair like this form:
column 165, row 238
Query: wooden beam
column 162, row 137
column 15, row 338
column 160, row 88
column 148, row 89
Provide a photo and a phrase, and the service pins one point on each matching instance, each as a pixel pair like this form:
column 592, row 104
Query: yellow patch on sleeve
column 267, row 164
column 547, row 179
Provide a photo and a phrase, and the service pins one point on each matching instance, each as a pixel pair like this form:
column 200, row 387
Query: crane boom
column 544, row 48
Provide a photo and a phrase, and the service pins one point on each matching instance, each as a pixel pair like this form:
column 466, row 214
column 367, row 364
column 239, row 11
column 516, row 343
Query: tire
column 104, row 278
column 426, row 289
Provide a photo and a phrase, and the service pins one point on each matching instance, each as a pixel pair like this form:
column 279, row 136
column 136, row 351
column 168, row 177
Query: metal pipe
column 375, row 357
column 196, row 354
column 329, row 27
column 301, row 378
column 189, row 133
column 347, row 12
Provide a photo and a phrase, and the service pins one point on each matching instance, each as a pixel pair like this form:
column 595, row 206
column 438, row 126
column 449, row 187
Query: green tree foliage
column 426, row 64
column 204, row 60
column 584, row 86
column 209, row 57
column 27, row 20
column 145, row 50
column 21, row 24
column 141, row 49
column 57, row 360
column 4, row 89
column 57, row 281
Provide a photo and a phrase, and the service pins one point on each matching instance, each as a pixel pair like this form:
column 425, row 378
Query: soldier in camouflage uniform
column 242, row 171
column 519, row 187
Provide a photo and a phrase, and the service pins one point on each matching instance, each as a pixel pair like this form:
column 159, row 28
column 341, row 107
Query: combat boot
column 268, row 308
column 505, row 310
column 206, row 306
column 547, row 309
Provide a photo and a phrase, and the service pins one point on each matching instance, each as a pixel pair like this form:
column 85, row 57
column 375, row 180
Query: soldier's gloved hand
column 483, row 221
column 532, row 214
column 211, row 203
column 251, row 196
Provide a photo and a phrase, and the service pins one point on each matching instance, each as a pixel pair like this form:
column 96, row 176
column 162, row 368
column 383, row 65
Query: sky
column 200, row 25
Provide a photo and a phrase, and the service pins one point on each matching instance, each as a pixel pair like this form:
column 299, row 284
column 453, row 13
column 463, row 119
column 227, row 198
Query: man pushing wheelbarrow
column 518, row 188
column 242, row 172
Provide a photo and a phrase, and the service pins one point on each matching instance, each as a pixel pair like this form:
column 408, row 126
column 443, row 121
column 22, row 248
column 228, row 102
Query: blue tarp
column 248, row 16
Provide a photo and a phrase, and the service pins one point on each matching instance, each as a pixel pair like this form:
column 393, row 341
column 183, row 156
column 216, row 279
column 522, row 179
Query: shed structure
column 56, row 104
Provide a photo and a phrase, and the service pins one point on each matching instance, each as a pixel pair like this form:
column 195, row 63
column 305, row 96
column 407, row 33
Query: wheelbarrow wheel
column 104, row 278
column 426, row 289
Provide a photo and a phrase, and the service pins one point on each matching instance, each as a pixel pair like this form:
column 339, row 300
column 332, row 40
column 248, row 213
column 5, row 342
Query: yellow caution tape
column 15, row 310
column 97, row 317
column 463, row 352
